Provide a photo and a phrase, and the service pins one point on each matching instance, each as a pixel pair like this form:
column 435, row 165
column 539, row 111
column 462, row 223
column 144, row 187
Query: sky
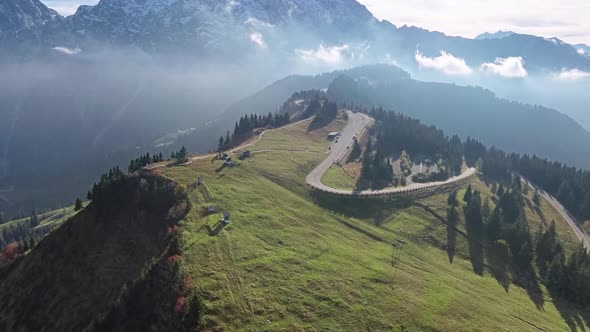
column 565, row 19
column 67, row 7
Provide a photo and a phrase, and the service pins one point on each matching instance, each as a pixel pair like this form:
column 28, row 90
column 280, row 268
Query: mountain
column 463, row 110
column 496, row 35
column 111, row 258
column 22, row 19
column 583, row 49
column 283, row 29
column 212, row 26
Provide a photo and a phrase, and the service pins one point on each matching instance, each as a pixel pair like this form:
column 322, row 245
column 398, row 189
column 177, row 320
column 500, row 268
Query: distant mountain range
column 467, row 111
column 211, row 28
column 496, row 35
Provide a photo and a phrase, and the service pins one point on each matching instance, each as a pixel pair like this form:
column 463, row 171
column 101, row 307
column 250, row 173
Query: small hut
column 226, row 218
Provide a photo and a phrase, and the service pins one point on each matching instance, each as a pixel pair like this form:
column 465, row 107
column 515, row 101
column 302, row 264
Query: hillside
column 290, row 259
column 33, row 226
column 464, row 110
column 104, row 269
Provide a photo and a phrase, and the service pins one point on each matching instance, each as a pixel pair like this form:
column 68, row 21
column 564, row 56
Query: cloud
column 511, row 67
column 68, row 51
column 580, row 51
column 253, row 21
column 229, row 7
column 446, row 63
column 326, row 54
column 572, row 75
column 258, row 39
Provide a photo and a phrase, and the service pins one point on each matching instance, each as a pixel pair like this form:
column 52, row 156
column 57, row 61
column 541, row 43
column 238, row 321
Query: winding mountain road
column 357, row 122
column 569, row 218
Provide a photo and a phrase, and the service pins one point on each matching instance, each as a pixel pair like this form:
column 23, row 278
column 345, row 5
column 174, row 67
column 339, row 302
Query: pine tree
column 227, row 139
column 78, row 205
column 468, row 194
column 486, row 209
column 473, row 218
column 554, row 279
column 452, row 200
column 494, row 188
column 501, row 191
column 537, row 198
column 355, row 153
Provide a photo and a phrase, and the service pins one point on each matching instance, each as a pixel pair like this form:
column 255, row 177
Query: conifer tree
column 501, row 191
column 78, row 205
column 468, row 194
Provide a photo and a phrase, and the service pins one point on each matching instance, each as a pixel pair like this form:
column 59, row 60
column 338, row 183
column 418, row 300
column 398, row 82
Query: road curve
column 357, row 122
column 569, row 218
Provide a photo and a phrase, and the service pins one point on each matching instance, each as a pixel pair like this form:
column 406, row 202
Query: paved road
column 569, row 218
column 356, row 124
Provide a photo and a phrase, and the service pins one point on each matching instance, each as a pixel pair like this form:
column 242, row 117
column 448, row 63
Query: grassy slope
column 287, row 263
column 336, row 177
column 52, row 218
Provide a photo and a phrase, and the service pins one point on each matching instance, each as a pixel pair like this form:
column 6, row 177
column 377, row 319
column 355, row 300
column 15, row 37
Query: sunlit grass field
column 287, row 263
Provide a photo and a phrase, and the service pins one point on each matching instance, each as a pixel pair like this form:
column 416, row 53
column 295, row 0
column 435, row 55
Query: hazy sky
column 565, row 19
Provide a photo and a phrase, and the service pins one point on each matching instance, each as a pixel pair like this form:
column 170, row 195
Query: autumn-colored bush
column 9, row 253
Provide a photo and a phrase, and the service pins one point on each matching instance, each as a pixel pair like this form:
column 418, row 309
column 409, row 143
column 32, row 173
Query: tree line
column 244, row 127
column 394, row 132
column 142, row 161
column 571, row 186
column 20, row 232
column 504, row 231
column 324, row 110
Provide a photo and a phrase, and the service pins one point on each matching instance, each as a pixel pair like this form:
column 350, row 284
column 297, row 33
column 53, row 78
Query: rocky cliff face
column 22, row 18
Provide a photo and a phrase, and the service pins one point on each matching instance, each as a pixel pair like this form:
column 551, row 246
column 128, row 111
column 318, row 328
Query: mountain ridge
column 210, row 28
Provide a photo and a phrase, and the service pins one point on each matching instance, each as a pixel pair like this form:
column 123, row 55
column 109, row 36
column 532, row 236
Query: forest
column 395, row 132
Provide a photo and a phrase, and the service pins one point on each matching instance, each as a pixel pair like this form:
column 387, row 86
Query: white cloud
column 446, row 63
column 511, row 67
column 68, row 51
column 229, row 7
column 572, row 75
column 580, row 51
column 258, row 39
column 253, row 21
column 326, row 54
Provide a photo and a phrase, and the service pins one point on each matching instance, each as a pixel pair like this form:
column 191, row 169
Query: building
column 226, row 218
column 333, row 135
column 246, row 154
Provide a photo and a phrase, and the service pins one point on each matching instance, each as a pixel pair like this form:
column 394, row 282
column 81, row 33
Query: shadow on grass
column 576, row 318
column 476, row 255
column 498, row 263
column 214, row 231
column 363, row 207
column 451, row 243
column 526, row 278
